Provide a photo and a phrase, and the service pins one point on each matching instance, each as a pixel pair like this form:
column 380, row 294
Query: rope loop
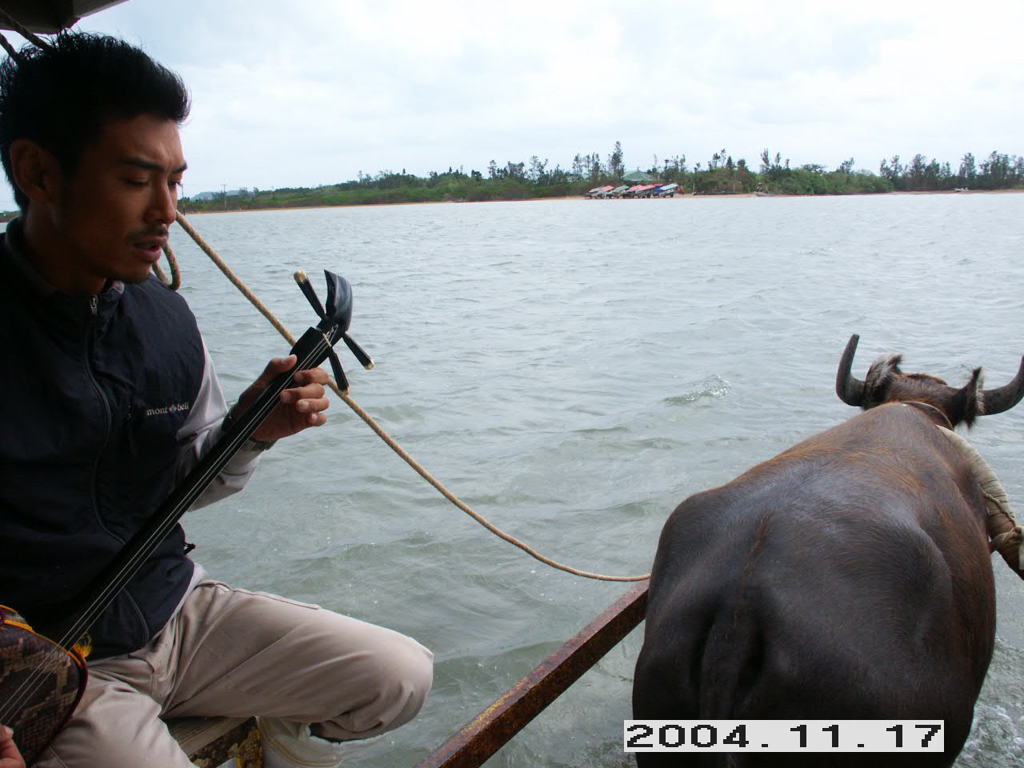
column 174, row 283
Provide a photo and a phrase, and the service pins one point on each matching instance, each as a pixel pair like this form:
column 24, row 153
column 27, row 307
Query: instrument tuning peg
column 339, row 373
column 364, row 359
column 307, row 290
column 335, row 317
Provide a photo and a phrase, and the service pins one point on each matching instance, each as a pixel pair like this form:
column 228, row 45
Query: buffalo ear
column 880, row 377
column 968, row 403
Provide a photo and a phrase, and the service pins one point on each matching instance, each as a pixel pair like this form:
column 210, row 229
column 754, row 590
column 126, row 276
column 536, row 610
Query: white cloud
column 313, row 92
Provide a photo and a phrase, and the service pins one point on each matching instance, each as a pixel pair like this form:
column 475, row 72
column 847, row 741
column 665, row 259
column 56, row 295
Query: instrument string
column 80, row 626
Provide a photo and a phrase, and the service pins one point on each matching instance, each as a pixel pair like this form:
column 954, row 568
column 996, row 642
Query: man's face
column 110, row 219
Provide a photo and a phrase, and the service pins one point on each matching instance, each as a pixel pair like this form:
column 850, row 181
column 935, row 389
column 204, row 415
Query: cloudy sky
column 309, row 92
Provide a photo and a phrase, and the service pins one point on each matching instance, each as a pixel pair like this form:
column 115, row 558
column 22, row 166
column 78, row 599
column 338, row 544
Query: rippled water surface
column 574, row 369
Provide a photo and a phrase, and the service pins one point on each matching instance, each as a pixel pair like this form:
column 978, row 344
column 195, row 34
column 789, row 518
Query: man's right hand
column 10, row 757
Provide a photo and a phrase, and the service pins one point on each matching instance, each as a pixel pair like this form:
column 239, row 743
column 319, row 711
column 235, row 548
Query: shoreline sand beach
column 684, row 196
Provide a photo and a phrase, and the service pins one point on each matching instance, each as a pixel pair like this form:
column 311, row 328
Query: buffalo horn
column 1004, row 398
column 849, row 388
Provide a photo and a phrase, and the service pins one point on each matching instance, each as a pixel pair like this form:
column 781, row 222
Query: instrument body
column 45, row 679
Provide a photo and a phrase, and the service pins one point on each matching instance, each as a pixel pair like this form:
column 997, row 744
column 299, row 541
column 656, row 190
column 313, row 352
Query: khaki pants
column 234, row 653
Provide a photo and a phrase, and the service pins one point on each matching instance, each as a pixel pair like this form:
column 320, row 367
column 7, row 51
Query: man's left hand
column 300, row 407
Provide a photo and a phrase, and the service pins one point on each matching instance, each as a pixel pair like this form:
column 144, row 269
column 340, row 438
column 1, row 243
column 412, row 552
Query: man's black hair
column 61, row 95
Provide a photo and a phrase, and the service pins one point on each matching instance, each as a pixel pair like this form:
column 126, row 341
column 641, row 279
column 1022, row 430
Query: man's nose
column 163, row 204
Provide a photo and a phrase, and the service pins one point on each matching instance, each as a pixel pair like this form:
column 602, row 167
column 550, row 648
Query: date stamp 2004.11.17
column 782, row 736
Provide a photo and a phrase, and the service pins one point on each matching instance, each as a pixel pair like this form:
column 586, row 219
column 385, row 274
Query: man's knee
column 397, row 673
column 411, row 673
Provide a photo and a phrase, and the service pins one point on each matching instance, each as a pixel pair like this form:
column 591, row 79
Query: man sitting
column 109, row 398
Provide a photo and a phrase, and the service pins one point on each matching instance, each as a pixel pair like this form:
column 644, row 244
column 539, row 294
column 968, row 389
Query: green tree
column 893, row 171
column 616, row 166
column 968, row 173
column 578, row 166
column 538, row 169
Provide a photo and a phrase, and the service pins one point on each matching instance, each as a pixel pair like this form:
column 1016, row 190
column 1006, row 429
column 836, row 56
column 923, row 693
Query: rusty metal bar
column 492, row 728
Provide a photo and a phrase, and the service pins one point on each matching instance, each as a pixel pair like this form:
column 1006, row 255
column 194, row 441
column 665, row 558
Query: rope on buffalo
column 372, row 423
column 1007, row 536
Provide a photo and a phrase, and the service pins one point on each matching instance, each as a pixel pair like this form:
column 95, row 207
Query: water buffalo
column 849, row 577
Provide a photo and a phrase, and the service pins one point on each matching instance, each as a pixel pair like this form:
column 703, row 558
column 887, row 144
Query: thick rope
column 372, row 423
column 174, row 283
column 1005, row 533
column 235, row 279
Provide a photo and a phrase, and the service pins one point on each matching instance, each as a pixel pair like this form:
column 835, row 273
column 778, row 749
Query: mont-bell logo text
column 164, row 410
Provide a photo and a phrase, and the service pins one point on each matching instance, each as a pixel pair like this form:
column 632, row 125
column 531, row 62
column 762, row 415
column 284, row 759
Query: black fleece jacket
column 93, row 391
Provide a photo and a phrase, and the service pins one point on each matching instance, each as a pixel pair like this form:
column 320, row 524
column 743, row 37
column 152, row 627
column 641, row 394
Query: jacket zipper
column 140, row 616
column 94, row 302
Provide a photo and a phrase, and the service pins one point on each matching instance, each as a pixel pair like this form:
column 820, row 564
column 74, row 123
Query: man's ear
column 36, row 171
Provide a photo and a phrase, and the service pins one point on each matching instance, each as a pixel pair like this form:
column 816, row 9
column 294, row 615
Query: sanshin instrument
column 42, row 679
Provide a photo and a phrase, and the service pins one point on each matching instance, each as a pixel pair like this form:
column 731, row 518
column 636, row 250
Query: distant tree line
column 998, row 171
column 720, row 175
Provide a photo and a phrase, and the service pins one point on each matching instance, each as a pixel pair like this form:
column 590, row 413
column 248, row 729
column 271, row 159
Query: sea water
column 574, row 369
